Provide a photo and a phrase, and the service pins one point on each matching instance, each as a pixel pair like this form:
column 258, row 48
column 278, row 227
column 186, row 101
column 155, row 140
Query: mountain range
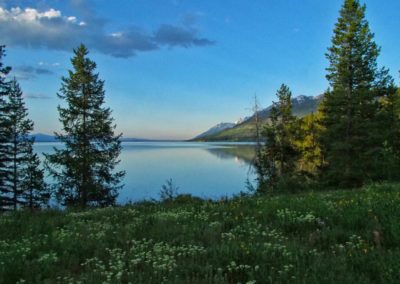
column 40, row 137
column 216, row 129
column 245, row 131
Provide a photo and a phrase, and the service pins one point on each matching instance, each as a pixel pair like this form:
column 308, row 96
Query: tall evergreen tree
column 349, row 109
column 277, row 157
column 19, row 141
column 5, row 194
column 25, row 179
column 84, row 169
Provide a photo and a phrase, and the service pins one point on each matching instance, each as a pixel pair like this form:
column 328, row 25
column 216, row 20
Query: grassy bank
column 333, row 237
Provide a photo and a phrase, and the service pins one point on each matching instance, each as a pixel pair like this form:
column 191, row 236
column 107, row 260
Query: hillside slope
column 216, row 129
column 245, row 131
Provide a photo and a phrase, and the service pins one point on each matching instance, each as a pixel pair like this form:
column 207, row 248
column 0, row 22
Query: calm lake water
column 208, row 170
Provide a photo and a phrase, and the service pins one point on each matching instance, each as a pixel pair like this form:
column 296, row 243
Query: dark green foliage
column 5, row 194
column 84, row 169
column 20, row 144
column 351, row 141
column 23, row 180
column 36, row 193
column 277, row 156
column 353, row 53
column 388, row 166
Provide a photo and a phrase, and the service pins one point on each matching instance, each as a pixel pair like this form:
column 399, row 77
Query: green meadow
column 315, row 237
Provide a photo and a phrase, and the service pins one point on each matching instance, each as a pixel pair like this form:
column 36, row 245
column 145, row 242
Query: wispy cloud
column 37, row 96
column 43, row 63
column 26, row 72
column 31, row 28
column 191, row 18
column 179, row 36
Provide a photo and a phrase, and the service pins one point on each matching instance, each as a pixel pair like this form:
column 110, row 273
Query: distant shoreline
column 164, row 141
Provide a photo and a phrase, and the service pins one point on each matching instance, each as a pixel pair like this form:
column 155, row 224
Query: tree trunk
column 15, row 193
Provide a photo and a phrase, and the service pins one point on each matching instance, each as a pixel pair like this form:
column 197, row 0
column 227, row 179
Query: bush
column 169, row 191
column 187, row 199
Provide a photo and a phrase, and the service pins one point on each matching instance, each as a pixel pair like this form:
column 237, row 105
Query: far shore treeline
column 352, row 139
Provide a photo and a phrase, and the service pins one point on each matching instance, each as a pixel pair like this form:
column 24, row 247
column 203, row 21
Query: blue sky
column 174, row 68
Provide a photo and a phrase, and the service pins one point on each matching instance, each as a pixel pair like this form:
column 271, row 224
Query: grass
column 331, row 237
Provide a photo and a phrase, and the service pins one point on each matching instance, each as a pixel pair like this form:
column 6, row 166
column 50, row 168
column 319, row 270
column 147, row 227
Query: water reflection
column 243, row 153
column 207, row 170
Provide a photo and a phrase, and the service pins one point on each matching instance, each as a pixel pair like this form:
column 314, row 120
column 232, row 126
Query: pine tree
column 5, row 194
column 84, row 169
column 285, row 132
column 349, row 109
column 277, row 158
column 36, row 193
column 20, row 143
column 25, row 179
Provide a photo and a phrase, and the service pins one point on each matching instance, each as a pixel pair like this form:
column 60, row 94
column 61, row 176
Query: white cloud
column 34, row 29
column 117, row 34
column 50, row 14
column 28, row 14
column 31, row 28
column 71, row 19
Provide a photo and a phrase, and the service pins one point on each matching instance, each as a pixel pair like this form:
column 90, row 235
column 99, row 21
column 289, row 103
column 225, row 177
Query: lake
column 207, row 170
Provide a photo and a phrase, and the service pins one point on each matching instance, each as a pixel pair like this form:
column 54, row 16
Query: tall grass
column 333, row 237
